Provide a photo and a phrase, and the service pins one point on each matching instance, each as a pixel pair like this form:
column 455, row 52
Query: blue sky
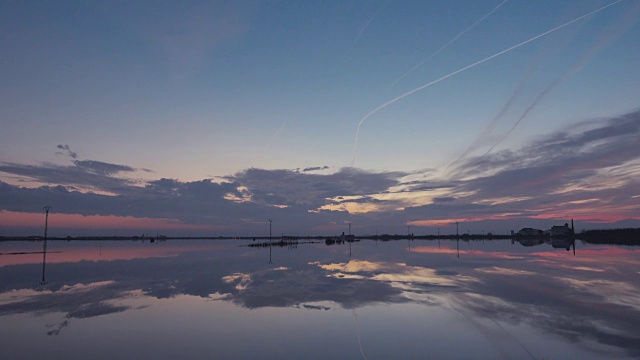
column 238, row 93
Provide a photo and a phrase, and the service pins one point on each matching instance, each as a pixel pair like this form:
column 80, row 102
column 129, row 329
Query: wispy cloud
column 315, row 168
column 186, row 37
column 598, row 161
column 102, row 168
column 588, row 171
column 293, row 188
column 84, row 175
column 67, row 152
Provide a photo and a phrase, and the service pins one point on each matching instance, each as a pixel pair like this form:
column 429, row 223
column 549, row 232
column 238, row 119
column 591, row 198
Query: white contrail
column 355, row 316
column 355, row 144
column 367, row 25
column 515, row 338
column 604, row 41
column 482, row 138
column 450, row 42
column 275, row 135
column 494, row 122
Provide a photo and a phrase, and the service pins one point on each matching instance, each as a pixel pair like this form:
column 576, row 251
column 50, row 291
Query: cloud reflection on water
column 580, row 299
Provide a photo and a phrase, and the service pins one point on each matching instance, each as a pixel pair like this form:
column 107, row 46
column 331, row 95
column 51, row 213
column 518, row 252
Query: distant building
column 344, row 237
column 564, row 230
column 530, row 232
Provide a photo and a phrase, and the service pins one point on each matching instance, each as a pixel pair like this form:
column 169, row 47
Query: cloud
column 494, row 284
column 588, row 171
column 187, row 37
column 69, row 153
column 83, row 175
column 444, row 199
column 316, row 168
column 287, row 187
column 84, row 303
column 591, row 160
column 102, row 168
column 613, row 142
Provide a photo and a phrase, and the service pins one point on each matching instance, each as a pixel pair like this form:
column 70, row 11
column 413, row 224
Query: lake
column 410, row 299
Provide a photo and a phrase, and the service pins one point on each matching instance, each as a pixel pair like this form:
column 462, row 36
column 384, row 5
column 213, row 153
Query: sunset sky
column 210, row 117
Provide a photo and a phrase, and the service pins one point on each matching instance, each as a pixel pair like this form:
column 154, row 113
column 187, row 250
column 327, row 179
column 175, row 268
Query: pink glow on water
column 599, row 253
column 63, row 252
column 467, row 252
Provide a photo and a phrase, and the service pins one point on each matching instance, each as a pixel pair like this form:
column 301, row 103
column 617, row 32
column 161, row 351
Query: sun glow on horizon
column 56, row 220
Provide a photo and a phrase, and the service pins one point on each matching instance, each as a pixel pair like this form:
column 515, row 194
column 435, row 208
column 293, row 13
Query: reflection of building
column 563, row 243
column 530, row 232
column 530, row 242
column 340, row 239
column 561, row 230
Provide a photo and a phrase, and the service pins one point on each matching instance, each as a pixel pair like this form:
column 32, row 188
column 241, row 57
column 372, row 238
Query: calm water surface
column 365, row 300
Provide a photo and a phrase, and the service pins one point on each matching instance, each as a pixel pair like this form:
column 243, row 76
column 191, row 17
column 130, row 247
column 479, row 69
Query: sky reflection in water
column 408, row 299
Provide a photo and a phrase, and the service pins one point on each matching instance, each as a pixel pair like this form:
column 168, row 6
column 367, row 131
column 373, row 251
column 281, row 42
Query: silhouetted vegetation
column 282, row 243
column 333, row 241
column 629, row 236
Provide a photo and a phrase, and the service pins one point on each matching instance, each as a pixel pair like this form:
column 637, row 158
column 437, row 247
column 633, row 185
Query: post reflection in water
column 43, row 281
column 530, row 298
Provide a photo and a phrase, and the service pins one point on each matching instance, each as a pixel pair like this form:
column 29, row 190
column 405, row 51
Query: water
column 364, row 300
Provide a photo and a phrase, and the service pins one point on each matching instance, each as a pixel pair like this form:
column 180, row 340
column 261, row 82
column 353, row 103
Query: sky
column 209, row 118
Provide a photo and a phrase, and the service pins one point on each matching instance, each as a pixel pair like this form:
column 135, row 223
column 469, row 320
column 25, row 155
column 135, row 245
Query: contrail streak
column 494, row 122
column 355, row 316
column 603, row 42
column 355, row 144
column 482, row 138
column 527, row 111
column 367, row 25
column 275, row 135
column 483, row 330
column 450, row 42
column 514, row 338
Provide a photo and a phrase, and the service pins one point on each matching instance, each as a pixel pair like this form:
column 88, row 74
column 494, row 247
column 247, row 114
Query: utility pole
column 44, row 246
column 409, row 230
column 349, row 228
column 457, row 233
column 270, row 262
